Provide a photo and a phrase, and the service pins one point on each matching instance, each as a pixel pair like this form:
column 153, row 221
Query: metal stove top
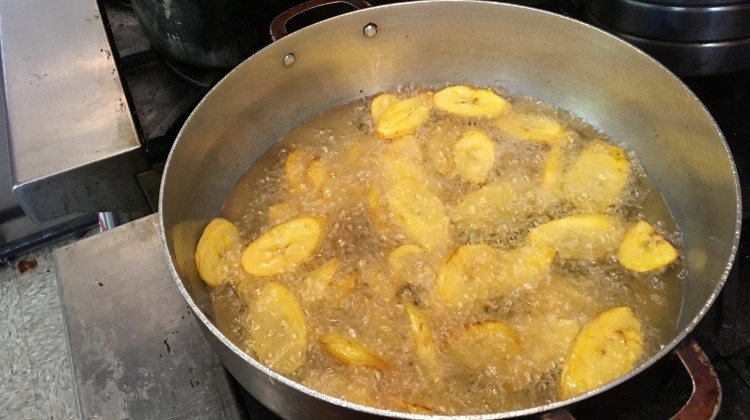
column 137, row 351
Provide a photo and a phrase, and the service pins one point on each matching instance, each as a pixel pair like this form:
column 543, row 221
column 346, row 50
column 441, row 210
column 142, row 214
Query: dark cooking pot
column 563, row 62
column 219, row 33
column 208, row 33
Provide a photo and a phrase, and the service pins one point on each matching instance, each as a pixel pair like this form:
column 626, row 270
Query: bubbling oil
column 372, row 311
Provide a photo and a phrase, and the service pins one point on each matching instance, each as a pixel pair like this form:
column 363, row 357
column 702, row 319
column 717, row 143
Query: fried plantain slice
column 350, row 351
column 318, row 174
column 315, row 284
column 378, row 211
column 305, row 172
column 219, row 236
column 580, row 236
column 295, row 169
column 404, row 117
column 419, row 212
column 498, row 207
column 468, row 101
column 533, row 127
column 283, row 247
column 425, row 349
column 488, row 344
column 395, row 167
column 548, row 339
column 468, row 274
column 597, row 178
column 474, row 155
column 380, row 103
column 439, row 146
column 606, row 348
column 553, row 169
column 643, row 249
column 400, row 258
column 524, row 267
column 279, row 329
column 407, row 146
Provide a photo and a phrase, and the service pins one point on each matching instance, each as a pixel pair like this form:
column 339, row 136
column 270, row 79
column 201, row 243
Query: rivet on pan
column 288, row 60
column 370, row 30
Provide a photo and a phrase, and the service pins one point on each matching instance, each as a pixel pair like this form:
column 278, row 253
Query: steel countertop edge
column 72, row 141
column 136, row 349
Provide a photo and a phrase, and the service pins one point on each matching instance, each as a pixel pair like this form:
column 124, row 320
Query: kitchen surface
column 91, row 323
column 35, row 372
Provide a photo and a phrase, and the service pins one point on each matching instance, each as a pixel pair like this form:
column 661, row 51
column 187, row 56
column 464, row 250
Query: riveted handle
column 705, row 400
column 279, row 24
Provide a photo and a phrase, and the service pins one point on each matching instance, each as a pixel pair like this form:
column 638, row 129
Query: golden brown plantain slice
column 468, row 274
column 305, row 172
column 404, row 117
column 439, row 145
column 279, row 329
column 395, row 168
column 524, row 267
column 425, row 349
column 643, row 249
column 295, row 169
column 606, row 348
column 498, row 207
column 315, row 284
column 341, row 288
column 548, row 339
column 283, row 247
column 380, row 103
column 407, row 146
column 402, row 257
column 474, row 155
column 419, row 212
column 597, row 178
column 317, row 173
column 531, row 127
column 350, row 352
column 378, row 211
column 581, row 236
column 219, row 236
column 488, row 344
column 553, row 169
column 468, row 101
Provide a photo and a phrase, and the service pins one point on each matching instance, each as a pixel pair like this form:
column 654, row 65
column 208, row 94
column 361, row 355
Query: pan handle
column 705, row 400
column 279, row 23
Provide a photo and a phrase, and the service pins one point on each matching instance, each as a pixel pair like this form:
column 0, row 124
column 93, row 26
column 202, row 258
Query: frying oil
column 545, row 315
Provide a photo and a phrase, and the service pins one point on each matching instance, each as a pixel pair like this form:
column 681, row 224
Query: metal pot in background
column 220, row 34
column 691, row 37
column 208, row 33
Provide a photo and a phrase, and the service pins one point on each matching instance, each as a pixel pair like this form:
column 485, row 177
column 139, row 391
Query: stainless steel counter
column 72, row 141
column 136, row 350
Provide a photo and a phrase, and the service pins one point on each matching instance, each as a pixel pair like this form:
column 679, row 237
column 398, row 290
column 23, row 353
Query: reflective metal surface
column 72, row 143
column 692, row 38
column 565, row 63
column 673, row 21
column 136, row 349
column 692, row 58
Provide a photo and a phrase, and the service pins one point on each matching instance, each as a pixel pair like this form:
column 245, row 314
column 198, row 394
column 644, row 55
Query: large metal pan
column 563, row 62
